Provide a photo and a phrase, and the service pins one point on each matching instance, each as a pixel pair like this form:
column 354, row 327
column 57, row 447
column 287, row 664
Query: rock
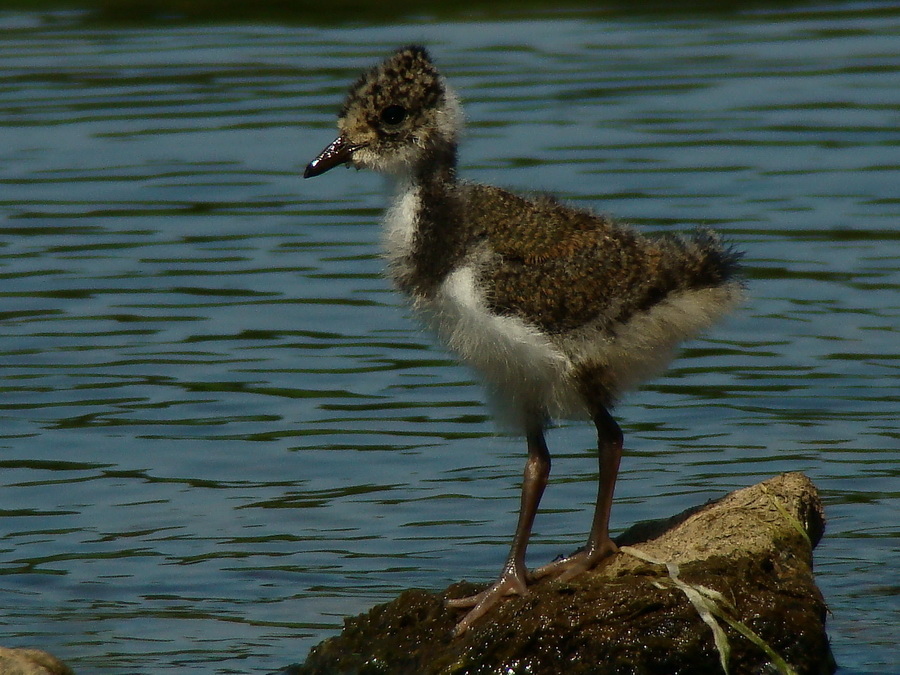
column 31, row 662
column 741, row 565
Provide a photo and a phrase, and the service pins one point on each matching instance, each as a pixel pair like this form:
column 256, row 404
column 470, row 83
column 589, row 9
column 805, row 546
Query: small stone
column 31, row 662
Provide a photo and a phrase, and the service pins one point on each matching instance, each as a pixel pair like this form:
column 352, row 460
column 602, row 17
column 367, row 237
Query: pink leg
column 599, row 545
column 512, row 579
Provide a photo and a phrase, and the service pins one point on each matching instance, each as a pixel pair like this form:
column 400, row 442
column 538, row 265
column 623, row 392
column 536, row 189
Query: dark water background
column 220, row 433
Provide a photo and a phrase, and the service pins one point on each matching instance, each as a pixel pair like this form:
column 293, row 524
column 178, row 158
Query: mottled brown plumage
column 559, row 268
column 560, row 310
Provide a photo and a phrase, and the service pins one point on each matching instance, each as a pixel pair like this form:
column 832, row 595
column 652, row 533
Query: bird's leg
column 512, row 579
column 599, row 545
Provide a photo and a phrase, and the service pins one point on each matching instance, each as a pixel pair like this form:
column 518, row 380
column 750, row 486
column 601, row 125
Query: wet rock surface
column 753, row 547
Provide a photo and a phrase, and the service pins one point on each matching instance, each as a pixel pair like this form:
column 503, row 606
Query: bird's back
column 559, row 268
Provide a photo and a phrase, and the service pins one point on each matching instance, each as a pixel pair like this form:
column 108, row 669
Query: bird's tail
column 705, row 261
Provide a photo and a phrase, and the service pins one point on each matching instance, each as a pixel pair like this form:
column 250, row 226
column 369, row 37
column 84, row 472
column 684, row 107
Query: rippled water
column 220, row 433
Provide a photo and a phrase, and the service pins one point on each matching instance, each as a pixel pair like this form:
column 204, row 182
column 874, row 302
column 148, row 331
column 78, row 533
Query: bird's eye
column 393, row 114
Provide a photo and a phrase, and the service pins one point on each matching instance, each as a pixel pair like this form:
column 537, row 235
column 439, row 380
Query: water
column 220, row 431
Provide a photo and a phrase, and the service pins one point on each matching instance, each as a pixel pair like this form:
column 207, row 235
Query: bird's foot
column 570, row 567
column 509, row 583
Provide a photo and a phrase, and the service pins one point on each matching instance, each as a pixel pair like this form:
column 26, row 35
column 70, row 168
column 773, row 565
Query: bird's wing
column 557, row 267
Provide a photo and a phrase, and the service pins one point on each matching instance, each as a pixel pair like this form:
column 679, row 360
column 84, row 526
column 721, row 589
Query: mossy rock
column 754, row 547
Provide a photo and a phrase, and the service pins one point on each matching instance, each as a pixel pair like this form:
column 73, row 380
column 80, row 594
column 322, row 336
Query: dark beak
column 339, row 152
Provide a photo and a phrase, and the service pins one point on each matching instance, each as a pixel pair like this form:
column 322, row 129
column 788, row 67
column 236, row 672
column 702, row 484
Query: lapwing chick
column 559, row 310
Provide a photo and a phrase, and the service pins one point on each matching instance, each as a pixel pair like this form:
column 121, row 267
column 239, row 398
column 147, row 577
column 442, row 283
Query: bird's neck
column 437, row 166
column 426, row 234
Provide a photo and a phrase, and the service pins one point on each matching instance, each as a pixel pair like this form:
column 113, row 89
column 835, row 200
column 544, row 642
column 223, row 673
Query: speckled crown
column 408, row 78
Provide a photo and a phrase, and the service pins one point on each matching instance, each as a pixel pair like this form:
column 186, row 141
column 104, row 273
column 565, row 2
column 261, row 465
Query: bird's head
column 398, row 117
